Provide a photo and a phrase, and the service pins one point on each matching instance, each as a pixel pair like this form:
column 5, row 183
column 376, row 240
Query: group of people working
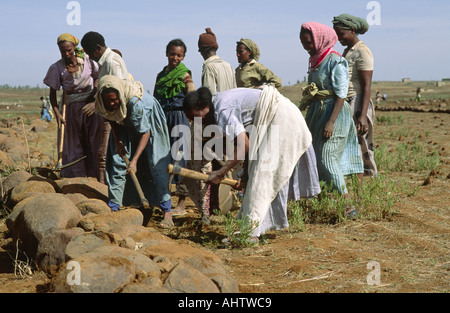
column 109, row 115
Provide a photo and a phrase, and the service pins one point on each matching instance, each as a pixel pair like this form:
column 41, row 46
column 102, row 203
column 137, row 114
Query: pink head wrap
column 324, row 40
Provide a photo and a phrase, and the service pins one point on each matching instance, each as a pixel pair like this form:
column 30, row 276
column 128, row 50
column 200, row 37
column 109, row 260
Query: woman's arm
column 269, row 77
column 241, row 148
column 143, row 141
column 120, row 148
column 189, row 83
column 362, row 125
column 54, row 103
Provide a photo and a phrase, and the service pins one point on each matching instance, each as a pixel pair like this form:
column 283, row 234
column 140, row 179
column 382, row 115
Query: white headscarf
column 126, row 90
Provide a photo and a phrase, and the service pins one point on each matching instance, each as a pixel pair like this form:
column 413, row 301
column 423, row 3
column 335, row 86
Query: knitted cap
column 207, row 41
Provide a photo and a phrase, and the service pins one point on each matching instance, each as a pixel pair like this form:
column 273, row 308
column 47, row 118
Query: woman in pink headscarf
column 329, row 116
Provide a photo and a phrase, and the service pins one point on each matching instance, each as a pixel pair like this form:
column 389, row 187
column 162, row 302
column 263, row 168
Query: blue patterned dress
column 339, row 155
column 142, row 116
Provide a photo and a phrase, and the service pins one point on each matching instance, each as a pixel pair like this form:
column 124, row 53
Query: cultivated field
column 403, row 225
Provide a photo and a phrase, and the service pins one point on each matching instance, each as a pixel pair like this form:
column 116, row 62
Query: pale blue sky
column 413, row 39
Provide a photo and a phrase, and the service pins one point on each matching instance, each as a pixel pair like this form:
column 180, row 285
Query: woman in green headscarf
column 360, row 63
column 250, row 73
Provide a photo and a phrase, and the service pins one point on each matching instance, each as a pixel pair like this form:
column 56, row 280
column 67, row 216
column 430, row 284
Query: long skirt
column 82, row 137
column 366, row 145
column 339, row 155
column 175, row 118
column 304, row 183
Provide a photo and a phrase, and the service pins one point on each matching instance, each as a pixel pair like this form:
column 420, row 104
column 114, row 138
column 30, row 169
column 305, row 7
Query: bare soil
column 411, row 246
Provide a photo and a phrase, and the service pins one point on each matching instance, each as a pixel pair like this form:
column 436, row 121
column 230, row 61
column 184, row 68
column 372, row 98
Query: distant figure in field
column 360, row 64
column 44, row 114
column 418, row 94
column 47, row 105
column 378, row 97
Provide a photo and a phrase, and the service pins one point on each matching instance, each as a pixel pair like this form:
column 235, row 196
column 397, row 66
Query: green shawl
column 312, row 93
column 171, row 84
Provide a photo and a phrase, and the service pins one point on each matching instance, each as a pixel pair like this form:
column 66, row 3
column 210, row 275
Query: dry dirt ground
column 411, row 247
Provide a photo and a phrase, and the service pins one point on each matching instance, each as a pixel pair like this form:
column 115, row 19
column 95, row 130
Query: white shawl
column 279, row 138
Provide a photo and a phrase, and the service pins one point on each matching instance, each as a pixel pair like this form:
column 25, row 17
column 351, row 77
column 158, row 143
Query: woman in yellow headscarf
column 250, row 73
column 77, row 75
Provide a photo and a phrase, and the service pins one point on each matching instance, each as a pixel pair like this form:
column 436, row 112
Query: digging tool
column 59, row 167
column 61, row 136
column 178, row 170
column 144, row 201
column 178, row 158
column 225, row 196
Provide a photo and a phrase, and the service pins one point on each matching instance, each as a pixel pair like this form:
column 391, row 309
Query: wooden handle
column 144, row 201
column 61, row 137
column 200, row 176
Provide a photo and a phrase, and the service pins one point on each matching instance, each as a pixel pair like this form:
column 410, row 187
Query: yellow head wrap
column 251, row 45
column 70, row 38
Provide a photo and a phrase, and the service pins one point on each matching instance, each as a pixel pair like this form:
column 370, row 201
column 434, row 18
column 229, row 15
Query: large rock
column 176, row 252
column 106, row 269
column 87, row 242
column 89, row 187
column 147, row 285
column 5, row 161
column 214, row 271
column 76, row 197
column 185, row 278
column 14, row 148
column 11, row 218
column 109, row 222
column 145, row 236
column 93, row 206
column 14, row 180
column 40, row 216
column 51, row 249
column 30, row 188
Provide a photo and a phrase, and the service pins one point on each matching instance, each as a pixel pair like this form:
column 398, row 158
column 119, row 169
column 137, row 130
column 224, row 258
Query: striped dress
column 339, row 155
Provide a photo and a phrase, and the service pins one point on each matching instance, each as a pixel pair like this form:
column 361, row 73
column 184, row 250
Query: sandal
column 351, row 214
column 178, row 212
column 166, row 224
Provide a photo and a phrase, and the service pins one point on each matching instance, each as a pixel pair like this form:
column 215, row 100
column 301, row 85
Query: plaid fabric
column 324, row 40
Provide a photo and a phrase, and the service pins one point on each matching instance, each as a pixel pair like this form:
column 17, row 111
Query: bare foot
column 180, row 208
column 167, row 221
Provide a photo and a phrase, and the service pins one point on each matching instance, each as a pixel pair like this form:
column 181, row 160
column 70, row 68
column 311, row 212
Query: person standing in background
column 217, row 76
column 329, row 116
column 110, row 63
column 250, row 73
column 360, row 64
column 76, row 73
column 172, row 83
